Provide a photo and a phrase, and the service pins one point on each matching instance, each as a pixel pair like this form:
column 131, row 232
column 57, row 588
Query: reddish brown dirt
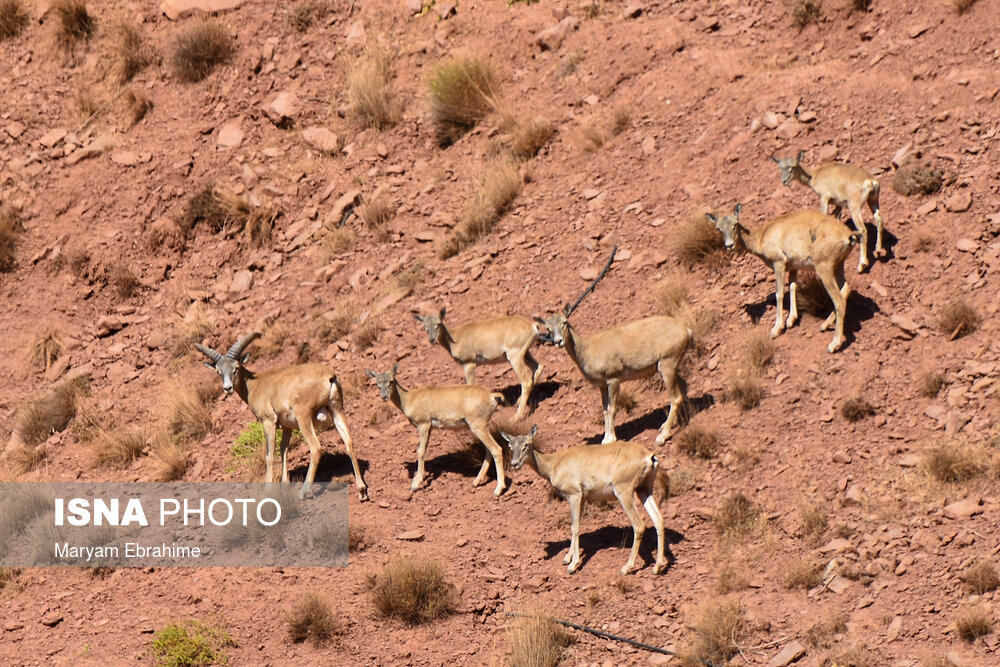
column 696, row 78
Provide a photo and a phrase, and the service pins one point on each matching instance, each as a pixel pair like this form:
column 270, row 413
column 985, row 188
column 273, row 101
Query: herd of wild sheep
column 299, row 396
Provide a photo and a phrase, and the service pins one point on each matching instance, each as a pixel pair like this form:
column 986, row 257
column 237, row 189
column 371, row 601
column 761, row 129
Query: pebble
column 792, row 651
column 963, row 509
column 321, row 138
column 967, row 245
column 411, row 536
column 959, row 202
column 230, row 136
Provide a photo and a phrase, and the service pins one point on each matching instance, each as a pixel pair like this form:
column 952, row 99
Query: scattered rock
column 15, row 129
column 230, row 136
column 108, row 325
column 426, row 236
column 793, row 651
column 899, row 157
column 175, row 9
column 321, row 139
column 552, row 38
column 411, row 536
column 93, row 149
column 836, row 545
column 959, row 202
column 633, row 11
column 349, row 199
column 963, row 509
column 446, row 8
column 130, row 159
column 589, row 273
column 967, row 245
column 840, row 456
column 927, row 208
column 283, row 109
column 910, row 461
column 53, row 137
column 892, row 634
column 770, row 120
column 242, row 282
column 905, row 324
column 52, row 619
column 790, row 129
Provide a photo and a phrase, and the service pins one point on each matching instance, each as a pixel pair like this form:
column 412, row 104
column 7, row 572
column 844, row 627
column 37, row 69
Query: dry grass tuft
column 304, row 13
column 357, row 538
column 119, row 448
column 11, row 229
column 498, row 186
column 625, row 401
column 536, row 642
column 814, row 521
column 376, row 214
column 698, row 241
column 858, row 5
column 47, row 349
column 803, row 574
column 855, row 409
column 225, row 211
column 974, row 623
column 673, row 293
column 172, row 458
column 957, row 319
column 367, row 333
column 137, row 105
column 188, row 330
column 962, row 6
column 131, row 51
column 26, row 458
column 413, row 589
column 13, row 18
column 679, row 482
column 190, row 414
column 48, row 414
column 339, row 240
column 528, row 136
column 737, row 515
column 696, row 441
column 259, row 226
column 804, row 12
column 124, row 282
column 462, row 92
column 981, row 578
column 312, row 619
column 822, row 634
column 74, row 24
column 368, row 91
column 849, row 655
column 955, row 462
column 592, row 137
column 745, row 389
column 88, row 104
column 199, row 47
column 917, row 177
column 758, row 351
column 931, row 383
column 8, row 576
column 272, row 341
column 811, row 296
column 621, row 120
column 731, row 580
column 717, row 628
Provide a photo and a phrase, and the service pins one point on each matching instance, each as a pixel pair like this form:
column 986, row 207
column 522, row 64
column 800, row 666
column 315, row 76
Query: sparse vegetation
column 248, row 451
column 625, row 401
column 376, row 214
column 137, row 105
column 731, row 580
column 957, row 319
column 368, row 87
column 822, row 634
column 848, row 655
column 48, row 414
column 272, row 341
column 699, row 442
column 697, row 240
column 737, row 515
column 716, row 629
column 955, row 462
column 855, row 409
column 528, row 135
column 974, row 623
column 758, row 351
column 88, row 104
column 304, row 13
column 8, row 575
column 10, row 236
column 190, row 415
column 672, row 293
column 188, row 330
column 859, row 5
column 962, row 6
column 312, row 619
column 172, row 458
column 621, row 120
column 498, row 186
column 931, row 383
column 117, row 449
column 814, row 521
column 74, row 24
column 357, row 538
column 745, row 389
column 462, row 91
column 981, row 578
column 47, row 349
column 536, row 642
column 804, row 12
column 680, row 481
column 339, row 240
column 917, row 177
column 367, row 333
column 123, row 282
column 189, row 643
column 804, row 574
column 132, row 52
column 413, row 589
column 13, row 18
column 225, row 211
column 592, row 137
column 199, row 47
column 811, row 296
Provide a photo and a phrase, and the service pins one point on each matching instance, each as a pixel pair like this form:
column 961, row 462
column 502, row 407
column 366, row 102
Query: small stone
column 93, row 149
column 910, row 461
column 648, row 145
column 792, row 651
column 836, row 545
column 964, row 509
column 15, row 129
column 770, row 120
column 589, row 273
column 53, row 137
column 954, row 660
column 349, row 199
column 108, row 325
column 959, row 202
column 230, row 136
column 807, row 116
column 967, row 245
column 591, row 193
column 52, row 619
column 242, row 282
column 283, row 109
column 552, row 38
column 854, row 496
column 175, row 9
column 411, row 536
column 633, row 11
column 840, row 456
column 125, row 158
column 907, row 325
column 321, row 139
column 790, row 129
column 426, row 236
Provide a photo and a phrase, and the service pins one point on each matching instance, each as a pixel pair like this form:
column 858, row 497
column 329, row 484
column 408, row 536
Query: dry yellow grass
column 745, row 389
column 804, row 574
column 955, row 462
column 192, row 328
column 413, row 589
column 719, row 624
column 47, row 414
column 172, row 458
column 699, row 442
column 974, row 623
column 930, row 383
column 136, row 106
column 736, row 516
column 123, row 282
column 131, row 51
column 498, row 186
column 367, row 333
column 199, row 48
column 528, row 135
column 368, row 87
column 758, row 351
column 461, row 92
column 957, row 319
column 11, row 229
column 117, row 449
column 536, row 642
column 312, row 619
column 74, row 24
column 697, row 240
column 339, row 240
column 804, row 12
column 189, row 412
column 376, row 214
column 981, row 578
column 14, row 18
column 47, row 349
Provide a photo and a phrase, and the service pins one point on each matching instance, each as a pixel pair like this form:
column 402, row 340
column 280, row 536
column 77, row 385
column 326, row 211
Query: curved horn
column 237, row 349
column 208, row 352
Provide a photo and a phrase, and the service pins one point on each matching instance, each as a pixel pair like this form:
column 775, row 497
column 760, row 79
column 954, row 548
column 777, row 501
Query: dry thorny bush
column 199, row 47
column 13, row 18
column 536, row 642
column 47, row 349
column 412, row 589
column 697, row 240
column 917, row 177
column 225, row 211
column 74, row 24
column 368, row 87
column 719, row 625
column 312, row 619
column 11, row 229
column 855, row 409
column 957, row 319
column 131, row 50
column 51, row 412
column 498, row 185
column 804, row 12
column 974, row 623
column 699, row 442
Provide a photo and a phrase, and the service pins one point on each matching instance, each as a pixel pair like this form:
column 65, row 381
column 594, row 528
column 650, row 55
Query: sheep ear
column 369, row 373
column 534, row 430
column 774, row 159
column 417, row 318
column 395, row 369
column 711, row 218
column 443, row 311
column 209, row 364
column 505, row 436
column 246, row 358
column 736, row 211
column 798, row 158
